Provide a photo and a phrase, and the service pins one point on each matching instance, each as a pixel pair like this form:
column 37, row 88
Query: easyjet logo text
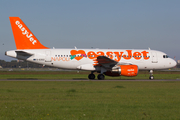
column 79, row 54
column 26, row 33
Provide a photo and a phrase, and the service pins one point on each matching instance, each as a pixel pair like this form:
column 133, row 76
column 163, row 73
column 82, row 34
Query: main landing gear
column 100, row 77
column 151, row 77
column 92, row 76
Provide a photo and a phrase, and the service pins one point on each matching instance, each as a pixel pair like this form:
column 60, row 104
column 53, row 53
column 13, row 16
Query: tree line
column 19, row 64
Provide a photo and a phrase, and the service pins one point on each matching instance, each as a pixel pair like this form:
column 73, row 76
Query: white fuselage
column 65, row 59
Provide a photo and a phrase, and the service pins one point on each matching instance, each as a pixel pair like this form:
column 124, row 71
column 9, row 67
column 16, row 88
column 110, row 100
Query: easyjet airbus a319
column 111, row 62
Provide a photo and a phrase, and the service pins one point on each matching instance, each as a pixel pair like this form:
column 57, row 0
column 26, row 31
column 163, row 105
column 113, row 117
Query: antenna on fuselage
column 75, row 47
column 149, row 48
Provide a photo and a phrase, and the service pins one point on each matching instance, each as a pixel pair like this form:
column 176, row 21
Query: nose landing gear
column 151, row 77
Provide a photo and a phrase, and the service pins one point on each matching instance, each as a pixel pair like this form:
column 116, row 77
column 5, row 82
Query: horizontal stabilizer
column 23, row 53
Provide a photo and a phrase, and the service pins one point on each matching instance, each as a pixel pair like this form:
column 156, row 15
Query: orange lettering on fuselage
column 145, row 55
column 127, row 57
column 100, row 53
column 110, row 55
column 118, row 56
column 113, row 55
column 137, row 55
column 91, row 55
column 60, row 58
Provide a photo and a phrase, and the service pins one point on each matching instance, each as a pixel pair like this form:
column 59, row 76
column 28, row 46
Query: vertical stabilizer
column 23, row 37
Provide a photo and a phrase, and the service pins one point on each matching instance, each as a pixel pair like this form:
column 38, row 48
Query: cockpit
column 165, row 56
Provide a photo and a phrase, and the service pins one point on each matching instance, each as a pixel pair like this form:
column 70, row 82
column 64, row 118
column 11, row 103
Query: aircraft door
column 48, row 56
column 154, row 57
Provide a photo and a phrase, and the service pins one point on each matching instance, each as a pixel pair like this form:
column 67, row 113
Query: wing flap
column 104, row 61
column 107, row 62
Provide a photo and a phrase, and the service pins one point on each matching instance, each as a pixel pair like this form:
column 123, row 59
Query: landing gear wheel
column 100, row 77
column 91, row 76
column 151, row 77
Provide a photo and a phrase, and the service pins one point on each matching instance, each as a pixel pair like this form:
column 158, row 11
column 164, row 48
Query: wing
column 107, row 62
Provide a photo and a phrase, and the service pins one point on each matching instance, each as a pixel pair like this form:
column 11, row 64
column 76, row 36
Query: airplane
column 110, row 62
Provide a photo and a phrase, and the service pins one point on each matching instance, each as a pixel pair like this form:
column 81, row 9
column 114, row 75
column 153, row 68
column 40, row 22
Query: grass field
column 37, row 75
column 89, row 100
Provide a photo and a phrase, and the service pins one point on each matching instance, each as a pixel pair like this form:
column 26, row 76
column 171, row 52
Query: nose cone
column 172, row 63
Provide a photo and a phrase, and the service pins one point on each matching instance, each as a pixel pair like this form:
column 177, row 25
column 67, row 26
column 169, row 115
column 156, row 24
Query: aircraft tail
column 23, row 37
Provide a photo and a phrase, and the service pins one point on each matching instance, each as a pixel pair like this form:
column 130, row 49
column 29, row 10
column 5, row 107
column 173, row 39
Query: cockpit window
column 165, row 56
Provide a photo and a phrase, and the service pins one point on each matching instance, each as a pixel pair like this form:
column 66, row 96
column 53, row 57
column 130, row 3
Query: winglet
column 23, row 37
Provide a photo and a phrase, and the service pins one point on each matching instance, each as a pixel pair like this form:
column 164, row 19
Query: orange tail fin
column 23, row 37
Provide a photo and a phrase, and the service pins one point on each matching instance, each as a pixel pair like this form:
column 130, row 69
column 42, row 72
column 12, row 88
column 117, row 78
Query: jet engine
column 124, row 70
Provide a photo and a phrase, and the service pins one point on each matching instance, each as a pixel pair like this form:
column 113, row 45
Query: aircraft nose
column 173, row 63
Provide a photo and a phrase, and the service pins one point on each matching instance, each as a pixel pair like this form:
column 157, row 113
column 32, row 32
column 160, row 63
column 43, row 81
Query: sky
column 116, row 24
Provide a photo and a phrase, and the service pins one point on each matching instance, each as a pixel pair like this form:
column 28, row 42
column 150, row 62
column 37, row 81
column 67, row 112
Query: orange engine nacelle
column 124, row 70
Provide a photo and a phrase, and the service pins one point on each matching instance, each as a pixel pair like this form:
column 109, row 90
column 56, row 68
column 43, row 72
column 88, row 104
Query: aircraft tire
column 100, row 77
column 91, row 76
column 151, row 77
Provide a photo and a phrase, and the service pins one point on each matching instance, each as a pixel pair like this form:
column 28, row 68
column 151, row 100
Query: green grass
column 36, row 75
column 89, row 100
